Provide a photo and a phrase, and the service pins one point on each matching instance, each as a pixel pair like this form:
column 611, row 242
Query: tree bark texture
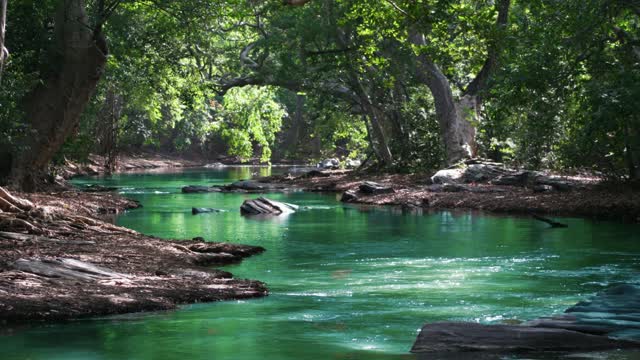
column 4, row 53
column 54, row 107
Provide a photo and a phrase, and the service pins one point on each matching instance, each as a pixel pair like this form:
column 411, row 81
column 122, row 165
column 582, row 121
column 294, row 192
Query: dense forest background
column 409, row 85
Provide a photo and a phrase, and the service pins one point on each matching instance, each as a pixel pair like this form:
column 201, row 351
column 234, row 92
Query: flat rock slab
column 372, row 188
column 613, row 312
column 264, row 206
column 451, row 337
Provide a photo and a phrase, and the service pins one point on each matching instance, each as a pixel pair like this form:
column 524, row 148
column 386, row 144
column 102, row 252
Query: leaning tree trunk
column 378, row 138
column 54, row 108
column 458, row 116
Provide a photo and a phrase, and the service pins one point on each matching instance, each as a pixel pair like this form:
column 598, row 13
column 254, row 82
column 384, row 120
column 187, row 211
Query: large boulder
column 448, row 176
column 476, row 171
column 456, row 337
column 264, row 206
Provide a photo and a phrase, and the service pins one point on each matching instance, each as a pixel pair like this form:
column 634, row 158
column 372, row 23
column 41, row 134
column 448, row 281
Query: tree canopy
column 410, row 85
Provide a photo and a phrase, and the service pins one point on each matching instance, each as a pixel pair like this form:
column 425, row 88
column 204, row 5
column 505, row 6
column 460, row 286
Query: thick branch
column 245, row 59
column 479, row 83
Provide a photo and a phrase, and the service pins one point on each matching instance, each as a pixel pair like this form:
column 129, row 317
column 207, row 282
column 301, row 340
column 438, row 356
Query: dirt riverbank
column 59, row 260
column 585, row 198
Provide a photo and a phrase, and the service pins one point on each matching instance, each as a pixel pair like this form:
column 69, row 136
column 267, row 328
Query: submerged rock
column 264, row 206
column 196, row 211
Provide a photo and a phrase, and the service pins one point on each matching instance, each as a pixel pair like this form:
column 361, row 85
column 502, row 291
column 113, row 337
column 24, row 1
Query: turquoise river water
column 346, row 282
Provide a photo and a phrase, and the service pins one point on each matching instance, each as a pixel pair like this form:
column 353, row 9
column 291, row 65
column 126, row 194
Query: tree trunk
column 455, row 116
column 292, row 138
column 379, row 142
column 632, row 152
column 54, row 108
column 4, row 53
column 458, row 116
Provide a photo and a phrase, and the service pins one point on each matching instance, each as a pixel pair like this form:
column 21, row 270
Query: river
column 346, row 282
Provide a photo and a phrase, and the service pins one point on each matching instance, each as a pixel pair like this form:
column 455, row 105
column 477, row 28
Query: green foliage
column 249, row 118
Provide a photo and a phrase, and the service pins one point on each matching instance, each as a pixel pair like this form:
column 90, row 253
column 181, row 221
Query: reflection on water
column 346, row 284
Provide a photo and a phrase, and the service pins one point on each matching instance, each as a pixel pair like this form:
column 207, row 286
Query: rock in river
column 456, row 337
column 192, row 189
column 196, row 211
column 609, row 320
column 264, row 206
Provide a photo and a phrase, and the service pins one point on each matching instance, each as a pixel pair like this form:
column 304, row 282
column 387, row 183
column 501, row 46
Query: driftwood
column 66, row 269
column 554, row 224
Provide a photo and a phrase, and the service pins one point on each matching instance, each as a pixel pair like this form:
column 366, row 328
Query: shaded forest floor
column 587, row 198
column 60, row 260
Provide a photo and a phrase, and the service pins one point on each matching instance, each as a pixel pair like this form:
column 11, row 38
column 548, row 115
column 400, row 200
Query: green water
column 346, row 282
